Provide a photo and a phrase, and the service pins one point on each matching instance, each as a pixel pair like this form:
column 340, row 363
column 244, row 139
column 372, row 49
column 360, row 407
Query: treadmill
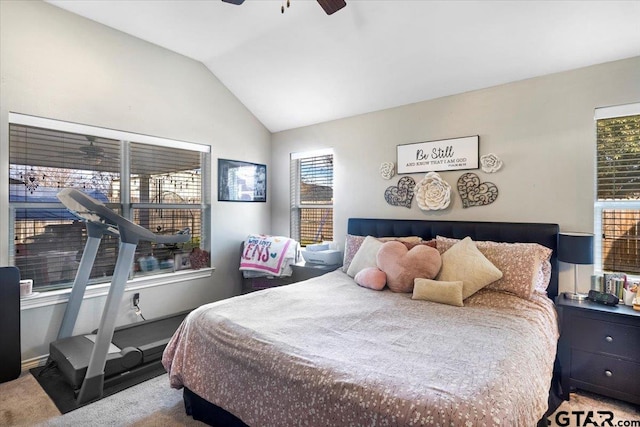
column 108, row 355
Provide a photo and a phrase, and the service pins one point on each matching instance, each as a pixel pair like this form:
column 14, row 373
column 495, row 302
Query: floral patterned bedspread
column 326, row 352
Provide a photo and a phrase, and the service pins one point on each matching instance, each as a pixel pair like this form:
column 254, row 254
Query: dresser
column 599, row 349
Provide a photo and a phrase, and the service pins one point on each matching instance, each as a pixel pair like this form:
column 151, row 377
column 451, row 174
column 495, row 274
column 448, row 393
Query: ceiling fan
column 329, row 6
column 91, row 153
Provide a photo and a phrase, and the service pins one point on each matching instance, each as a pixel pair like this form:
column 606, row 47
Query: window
column 617, row 209
column 312, row 197
column 159, row 184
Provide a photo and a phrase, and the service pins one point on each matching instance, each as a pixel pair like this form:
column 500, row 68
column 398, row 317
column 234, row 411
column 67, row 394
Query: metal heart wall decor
column 476, row 193
column 401, row 194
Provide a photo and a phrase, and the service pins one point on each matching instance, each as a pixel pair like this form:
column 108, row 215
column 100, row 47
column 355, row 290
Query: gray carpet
column 154, row 403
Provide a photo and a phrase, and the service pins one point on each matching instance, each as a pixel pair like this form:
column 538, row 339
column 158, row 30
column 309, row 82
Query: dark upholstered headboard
column 510, row 232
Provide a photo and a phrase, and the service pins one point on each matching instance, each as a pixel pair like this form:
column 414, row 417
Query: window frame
column 295, row 192
column 53, row 296
column 617, row 111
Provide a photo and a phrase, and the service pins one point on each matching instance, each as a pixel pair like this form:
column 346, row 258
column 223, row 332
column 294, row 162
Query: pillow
column 544, row 276
column 365, row 257
column 372, row 278
column 402, row 265
column 433, row 243
column 351, row 246
column 520, row 263
column 409, row 241
column 442, row 292
column 353, row 243
column 464, row 261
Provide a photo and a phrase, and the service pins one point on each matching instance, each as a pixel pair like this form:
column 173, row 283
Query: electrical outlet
column 136, row 299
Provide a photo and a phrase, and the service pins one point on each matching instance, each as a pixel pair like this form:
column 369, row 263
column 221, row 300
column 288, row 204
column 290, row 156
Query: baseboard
column 34, row 362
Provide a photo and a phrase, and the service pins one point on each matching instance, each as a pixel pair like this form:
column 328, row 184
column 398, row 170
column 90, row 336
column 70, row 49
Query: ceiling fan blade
column 332, row 6
column 237, row 2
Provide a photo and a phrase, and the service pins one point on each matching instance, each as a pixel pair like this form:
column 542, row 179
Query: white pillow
column 464, row 262
column 365, row 257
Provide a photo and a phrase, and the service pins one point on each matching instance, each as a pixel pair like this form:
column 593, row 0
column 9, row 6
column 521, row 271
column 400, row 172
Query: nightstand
column 599, row 349
column 301, row 271
column 304, row 270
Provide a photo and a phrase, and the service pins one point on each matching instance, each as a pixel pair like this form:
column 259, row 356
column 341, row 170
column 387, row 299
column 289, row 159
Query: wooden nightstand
column 301, row 271
column 599, row 349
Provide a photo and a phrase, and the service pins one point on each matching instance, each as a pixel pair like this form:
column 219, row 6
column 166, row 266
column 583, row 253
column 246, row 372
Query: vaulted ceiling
column 303, row 66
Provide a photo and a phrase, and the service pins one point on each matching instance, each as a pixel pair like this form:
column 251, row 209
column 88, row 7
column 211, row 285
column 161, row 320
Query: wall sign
column 442, row 155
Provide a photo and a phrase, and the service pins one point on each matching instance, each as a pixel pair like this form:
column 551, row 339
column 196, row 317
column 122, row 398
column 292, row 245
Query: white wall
column 58, row 65
column 542, row 128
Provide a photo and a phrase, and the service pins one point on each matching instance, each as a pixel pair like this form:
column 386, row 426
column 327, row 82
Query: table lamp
column 575, row 248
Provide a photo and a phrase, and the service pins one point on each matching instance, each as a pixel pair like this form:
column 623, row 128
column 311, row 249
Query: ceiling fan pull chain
column 282, row 7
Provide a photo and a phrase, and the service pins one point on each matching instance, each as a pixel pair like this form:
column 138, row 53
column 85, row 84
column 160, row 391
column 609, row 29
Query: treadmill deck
column 138, row 344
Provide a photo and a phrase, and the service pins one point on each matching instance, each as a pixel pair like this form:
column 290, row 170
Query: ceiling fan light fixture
column 329, row 6
column 93, row 161
column 332, row 6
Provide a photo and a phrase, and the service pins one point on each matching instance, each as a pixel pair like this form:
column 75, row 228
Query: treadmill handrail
column 91, row 210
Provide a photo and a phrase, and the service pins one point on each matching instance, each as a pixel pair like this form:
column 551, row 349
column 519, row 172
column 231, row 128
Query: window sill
column 61, row 296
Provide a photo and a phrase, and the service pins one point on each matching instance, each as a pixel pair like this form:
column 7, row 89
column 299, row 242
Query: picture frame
column 240, row 181
column 181, row 261
column 441, row 155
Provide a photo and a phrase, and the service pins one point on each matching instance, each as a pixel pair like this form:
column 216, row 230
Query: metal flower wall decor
column 490, row 163
column 476, row 193
column 433, row 193
column 401, row 194
column 387, row 170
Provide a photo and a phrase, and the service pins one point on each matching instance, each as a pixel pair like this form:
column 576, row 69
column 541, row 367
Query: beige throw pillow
column 524, row 266
column 441, row 292
column 464, row 262
column 365, row 257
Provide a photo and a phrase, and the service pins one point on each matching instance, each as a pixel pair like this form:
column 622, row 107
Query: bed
column 327, row 352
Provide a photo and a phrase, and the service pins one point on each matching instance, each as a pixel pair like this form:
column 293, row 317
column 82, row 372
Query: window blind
column 312, row 206
column 159, row 184
column 618, row 158
column 618, row 191
column 316, row 180
column 621, row 240
column 166, row 195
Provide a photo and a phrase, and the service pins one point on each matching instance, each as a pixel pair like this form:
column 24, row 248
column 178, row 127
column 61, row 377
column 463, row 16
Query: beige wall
column 541, row 128
column 58, row 65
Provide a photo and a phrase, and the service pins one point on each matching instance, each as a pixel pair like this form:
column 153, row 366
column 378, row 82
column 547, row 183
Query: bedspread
column 326, row 352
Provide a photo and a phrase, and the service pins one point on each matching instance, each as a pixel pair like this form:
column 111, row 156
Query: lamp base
column 575, row 296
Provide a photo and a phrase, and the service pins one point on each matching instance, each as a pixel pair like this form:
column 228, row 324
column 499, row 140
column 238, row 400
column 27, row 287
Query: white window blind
column 312, row 197
column 157, row 185
column 617, row 209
